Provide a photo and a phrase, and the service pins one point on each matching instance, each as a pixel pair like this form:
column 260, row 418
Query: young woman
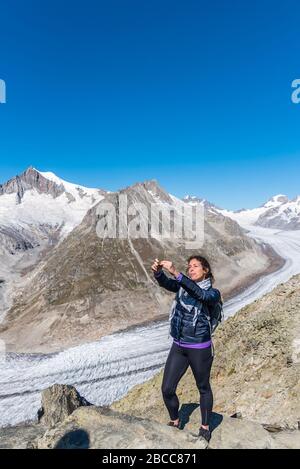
column 191, row 332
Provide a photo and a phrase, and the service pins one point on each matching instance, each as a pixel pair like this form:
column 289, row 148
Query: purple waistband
column 191, row 345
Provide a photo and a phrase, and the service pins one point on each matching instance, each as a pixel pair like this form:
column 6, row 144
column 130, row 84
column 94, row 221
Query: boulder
column 58, row 402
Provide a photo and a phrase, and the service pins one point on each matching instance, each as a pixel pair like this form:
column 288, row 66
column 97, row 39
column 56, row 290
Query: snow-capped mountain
column 278, row 212
column 193, row 200
column 37, row 210
column 285, row 214
column 37, row 206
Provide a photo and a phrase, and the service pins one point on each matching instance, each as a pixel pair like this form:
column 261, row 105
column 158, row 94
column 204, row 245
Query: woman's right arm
column 166, row 282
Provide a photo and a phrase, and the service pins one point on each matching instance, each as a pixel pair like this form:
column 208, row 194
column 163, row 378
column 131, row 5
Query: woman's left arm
column 210, row 296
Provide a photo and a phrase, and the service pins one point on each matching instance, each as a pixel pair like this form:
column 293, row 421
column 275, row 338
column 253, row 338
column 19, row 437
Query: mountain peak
column 47, row 183
column 29, row 170
column 192, row 198
column 276, row 200
column 152, row 187
column 30, row 179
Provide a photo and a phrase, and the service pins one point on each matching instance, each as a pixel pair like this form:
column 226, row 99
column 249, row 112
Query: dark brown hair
column 205, row 265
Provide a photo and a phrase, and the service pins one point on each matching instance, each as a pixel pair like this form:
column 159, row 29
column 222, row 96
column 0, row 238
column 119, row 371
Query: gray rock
column 237, row 433
column 100, row 427
column 58, row 402
column 20, row 436
column 287, row 440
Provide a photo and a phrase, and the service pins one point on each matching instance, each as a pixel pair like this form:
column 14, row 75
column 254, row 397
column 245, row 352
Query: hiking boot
column 204, row 433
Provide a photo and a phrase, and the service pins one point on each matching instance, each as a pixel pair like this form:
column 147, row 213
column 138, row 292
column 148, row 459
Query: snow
column 292, row 207
column 248, row 216
column 73, row 189
column 274, row 202
column 285, row 210
column 190, row 197
column 37, row 209
column 193, row 200
column 155, row 196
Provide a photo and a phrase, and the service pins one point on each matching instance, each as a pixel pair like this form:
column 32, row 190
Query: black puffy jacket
column 182, row 322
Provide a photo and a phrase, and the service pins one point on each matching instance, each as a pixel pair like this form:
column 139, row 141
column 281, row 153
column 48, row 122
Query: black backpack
column 216, row 315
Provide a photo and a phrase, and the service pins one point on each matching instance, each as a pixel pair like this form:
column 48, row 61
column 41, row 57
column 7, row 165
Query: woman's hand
column 170, row 267
column 156, row 267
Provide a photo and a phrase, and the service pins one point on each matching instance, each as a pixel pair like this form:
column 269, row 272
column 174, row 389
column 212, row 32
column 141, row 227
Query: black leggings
column 178, row 360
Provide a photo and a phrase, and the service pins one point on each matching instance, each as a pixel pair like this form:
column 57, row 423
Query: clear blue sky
column 196, row 94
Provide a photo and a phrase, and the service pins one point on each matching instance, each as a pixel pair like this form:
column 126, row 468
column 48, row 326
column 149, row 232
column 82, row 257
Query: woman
column 191, row 331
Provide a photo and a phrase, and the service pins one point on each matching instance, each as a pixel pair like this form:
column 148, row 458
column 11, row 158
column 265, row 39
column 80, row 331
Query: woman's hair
column 205, row 265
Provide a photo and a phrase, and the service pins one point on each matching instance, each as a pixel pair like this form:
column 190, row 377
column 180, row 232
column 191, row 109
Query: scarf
column 188, row 302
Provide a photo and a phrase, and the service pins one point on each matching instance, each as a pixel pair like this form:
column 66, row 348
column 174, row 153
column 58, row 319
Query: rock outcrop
column 58, row 402
column 31, row 179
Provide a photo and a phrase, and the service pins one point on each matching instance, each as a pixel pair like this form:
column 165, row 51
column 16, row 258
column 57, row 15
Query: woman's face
column 195, row 270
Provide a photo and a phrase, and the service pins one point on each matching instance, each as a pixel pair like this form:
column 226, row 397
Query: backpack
column 216, row 316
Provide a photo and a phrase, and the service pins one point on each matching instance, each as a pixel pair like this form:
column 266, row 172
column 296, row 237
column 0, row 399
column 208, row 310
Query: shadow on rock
column 77, row 439
column 186, row 411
